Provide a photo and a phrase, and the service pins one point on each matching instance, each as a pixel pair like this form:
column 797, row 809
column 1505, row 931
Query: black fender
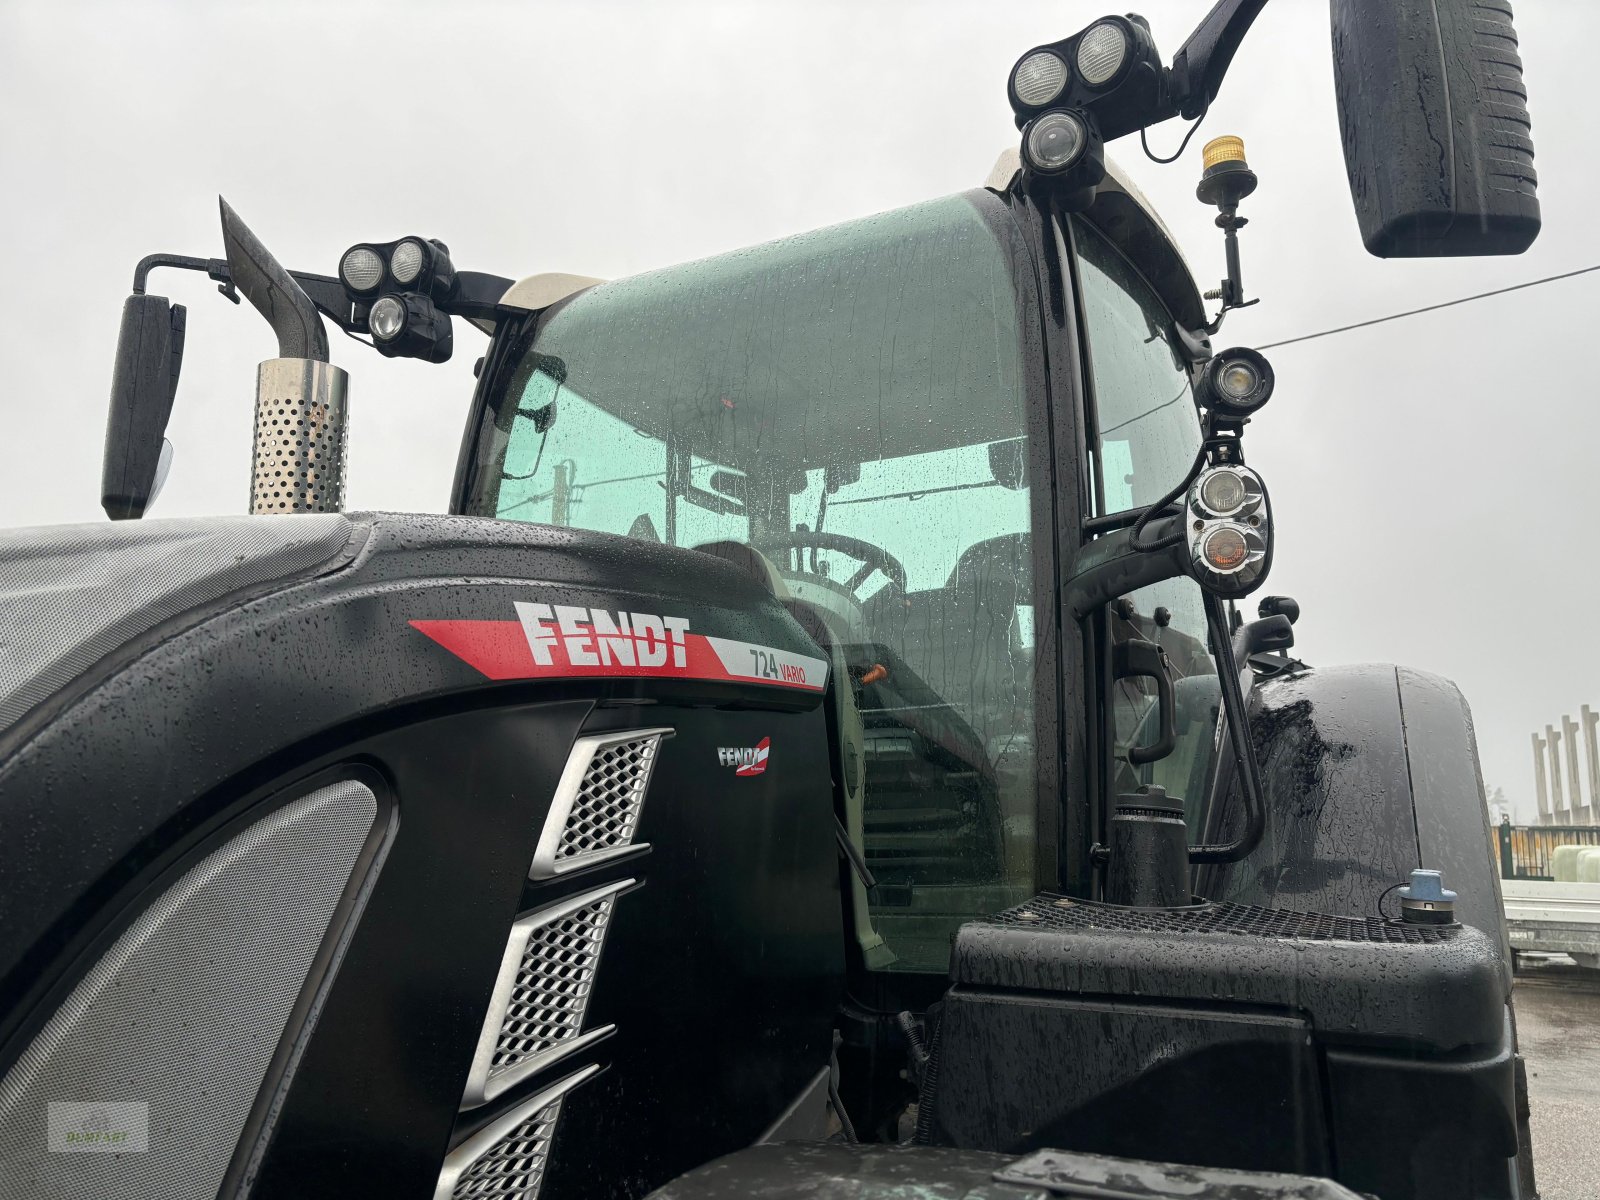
column 1368, row 771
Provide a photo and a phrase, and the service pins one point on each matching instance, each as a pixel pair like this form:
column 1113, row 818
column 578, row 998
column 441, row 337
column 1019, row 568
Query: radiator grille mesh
column 1245, row 920
column 552, row 989
column 606, row 808
column 513, row 1168
column 182, row 1014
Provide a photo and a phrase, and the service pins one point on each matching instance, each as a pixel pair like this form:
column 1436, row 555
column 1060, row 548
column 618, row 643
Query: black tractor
column 822, row 752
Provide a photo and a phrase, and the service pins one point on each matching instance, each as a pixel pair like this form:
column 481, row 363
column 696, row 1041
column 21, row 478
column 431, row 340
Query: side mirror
column 149, row 354
column 1434, row 119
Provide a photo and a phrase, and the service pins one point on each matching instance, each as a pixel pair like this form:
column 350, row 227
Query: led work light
column 361, row 270
column 405, row 264
column 1236, row 383
column 1038, row 78
column 1102, row 49
column 1054, row 142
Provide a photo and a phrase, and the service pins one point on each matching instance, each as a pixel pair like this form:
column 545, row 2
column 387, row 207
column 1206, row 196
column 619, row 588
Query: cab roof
column 1120, row 211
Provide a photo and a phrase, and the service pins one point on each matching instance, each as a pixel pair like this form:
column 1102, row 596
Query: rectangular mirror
column 149, row 354
column 1434, row 119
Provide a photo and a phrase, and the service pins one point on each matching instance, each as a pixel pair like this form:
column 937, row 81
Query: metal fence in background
column 1525, row 850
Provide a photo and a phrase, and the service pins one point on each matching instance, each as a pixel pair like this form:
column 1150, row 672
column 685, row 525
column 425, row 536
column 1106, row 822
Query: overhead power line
column 1411, row 312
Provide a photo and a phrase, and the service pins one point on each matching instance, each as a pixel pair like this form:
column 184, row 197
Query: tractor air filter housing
column 1376, row 1052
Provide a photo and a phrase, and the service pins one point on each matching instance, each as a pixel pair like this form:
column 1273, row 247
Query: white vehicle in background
column 1550, row 885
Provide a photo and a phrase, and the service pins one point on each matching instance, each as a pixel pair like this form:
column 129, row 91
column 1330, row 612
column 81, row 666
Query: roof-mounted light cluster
column 396, row 288
column 1072, row 96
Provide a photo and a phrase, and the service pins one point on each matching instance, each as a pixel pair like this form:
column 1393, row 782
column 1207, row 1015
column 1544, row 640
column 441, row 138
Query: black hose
column 1160, row 506
column 1233, row 706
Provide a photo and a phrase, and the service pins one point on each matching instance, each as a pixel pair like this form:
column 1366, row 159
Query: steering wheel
column 873, row 558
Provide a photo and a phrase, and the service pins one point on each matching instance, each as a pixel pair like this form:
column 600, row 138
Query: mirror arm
column 1202, row 61
column 1110, row 566
column 216, row 268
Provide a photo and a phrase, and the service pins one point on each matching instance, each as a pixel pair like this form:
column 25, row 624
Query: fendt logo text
column 593, row 637
column 745, row 760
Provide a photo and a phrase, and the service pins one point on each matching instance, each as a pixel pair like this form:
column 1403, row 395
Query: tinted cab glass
column 851, row 404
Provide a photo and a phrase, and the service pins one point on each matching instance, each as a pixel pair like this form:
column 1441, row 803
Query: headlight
column 1054, row 141
column 1229, row 529
column 406, row 261
column 387, row 318
column 1039, row 78
column 360, row 269
column 1102, row 50
column 1222, row 492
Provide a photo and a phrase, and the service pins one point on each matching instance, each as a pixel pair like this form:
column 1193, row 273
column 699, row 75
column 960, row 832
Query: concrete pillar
column 1581, row 814
column 1590, row 719
column 1538, row 780
column 1552, row 742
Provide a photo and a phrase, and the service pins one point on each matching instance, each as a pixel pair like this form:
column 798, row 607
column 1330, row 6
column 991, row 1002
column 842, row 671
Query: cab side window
column 1148, row 430
column 1149, row 434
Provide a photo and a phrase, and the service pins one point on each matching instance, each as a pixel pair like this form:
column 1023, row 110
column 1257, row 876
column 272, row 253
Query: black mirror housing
column 149, row 355
column 1434, row 119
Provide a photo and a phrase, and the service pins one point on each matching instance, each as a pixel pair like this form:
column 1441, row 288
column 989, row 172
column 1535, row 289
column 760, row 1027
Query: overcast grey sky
column 1433, row 478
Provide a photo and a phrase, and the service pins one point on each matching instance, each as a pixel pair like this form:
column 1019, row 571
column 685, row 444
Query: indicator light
column 1225, row 549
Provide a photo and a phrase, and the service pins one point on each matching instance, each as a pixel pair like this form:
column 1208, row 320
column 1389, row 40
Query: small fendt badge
column 745, row 760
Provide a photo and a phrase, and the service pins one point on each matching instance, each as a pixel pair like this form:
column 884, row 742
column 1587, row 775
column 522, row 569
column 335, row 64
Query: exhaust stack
column 298, row 459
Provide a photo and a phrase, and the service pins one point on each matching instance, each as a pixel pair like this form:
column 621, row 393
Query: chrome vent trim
column 536, row 1011
column 595, row 812
column 505, row 1160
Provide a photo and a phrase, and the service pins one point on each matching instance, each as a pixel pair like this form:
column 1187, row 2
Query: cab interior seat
column 963, row 639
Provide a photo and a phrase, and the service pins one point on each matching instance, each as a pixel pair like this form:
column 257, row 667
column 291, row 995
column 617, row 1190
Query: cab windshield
column 851, row 404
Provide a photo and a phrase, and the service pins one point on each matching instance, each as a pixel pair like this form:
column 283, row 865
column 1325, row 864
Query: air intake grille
column 607, row 805
column 514, row 1167
column 1245, row 920
column 542, row 992
column 506, row 1159
column 552, row 988
column 595, row 812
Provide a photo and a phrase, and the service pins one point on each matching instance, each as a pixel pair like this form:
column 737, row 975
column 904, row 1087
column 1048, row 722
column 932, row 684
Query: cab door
column 1142, row 435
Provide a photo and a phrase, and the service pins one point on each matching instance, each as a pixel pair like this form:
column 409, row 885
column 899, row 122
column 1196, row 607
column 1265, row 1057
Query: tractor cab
column 822, row 717
column 902, row 426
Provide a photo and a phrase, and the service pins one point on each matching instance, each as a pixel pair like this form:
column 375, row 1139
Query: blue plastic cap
column 1427, row 885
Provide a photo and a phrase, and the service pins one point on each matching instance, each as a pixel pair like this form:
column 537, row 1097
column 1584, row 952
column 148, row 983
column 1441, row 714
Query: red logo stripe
column 499, row 649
